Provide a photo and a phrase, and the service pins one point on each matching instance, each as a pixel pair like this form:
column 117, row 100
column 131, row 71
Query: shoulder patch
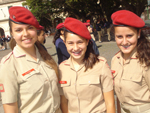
column 5, row 58
column 64, row 63
column 101, row 59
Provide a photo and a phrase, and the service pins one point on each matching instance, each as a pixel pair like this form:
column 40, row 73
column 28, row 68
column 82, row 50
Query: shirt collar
column 69, row 63
column 19, row 52
column 132, row 56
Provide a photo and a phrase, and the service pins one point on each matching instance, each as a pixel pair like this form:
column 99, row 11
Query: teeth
column 76, row 52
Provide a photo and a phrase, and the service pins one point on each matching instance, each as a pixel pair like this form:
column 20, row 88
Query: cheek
column 118, row 41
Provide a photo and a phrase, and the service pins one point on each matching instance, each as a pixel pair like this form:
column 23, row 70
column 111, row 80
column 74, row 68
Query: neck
column 76, row 63
column 62, row 37
column 31, row 52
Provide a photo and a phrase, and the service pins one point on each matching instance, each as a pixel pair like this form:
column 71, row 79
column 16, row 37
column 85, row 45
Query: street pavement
column 106, row 49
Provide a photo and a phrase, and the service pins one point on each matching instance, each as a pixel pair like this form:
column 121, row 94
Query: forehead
column 124, row 29
column 72, row 36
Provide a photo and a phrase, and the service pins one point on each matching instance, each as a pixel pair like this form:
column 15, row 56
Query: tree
column 47, row 10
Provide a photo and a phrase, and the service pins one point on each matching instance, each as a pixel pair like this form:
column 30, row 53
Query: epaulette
column 5, row 58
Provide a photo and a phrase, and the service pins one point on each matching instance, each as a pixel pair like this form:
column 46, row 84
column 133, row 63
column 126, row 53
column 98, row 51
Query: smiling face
column 76, row 46
column 126, row 39
column 25, row 35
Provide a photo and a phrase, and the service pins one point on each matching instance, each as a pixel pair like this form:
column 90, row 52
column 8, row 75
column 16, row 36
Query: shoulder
column 116, row 55
column 102, row 59
column 64, row 64
column 6, row 58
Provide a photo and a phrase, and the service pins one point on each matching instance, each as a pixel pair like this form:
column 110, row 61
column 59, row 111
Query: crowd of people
column 3, row 42
column 82, row 82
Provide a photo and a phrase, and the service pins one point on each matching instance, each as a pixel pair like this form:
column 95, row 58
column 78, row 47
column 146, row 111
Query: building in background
column 4, row 14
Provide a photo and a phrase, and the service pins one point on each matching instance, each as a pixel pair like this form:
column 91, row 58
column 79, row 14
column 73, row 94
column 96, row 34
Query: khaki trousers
column 99, row 35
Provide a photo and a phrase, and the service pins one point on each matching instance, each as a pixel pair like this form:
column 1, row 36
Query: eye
column 118, row 36
column 70, row 43
column 30, row 27
column 18, row 30
column 80, row 42
column 129, row 36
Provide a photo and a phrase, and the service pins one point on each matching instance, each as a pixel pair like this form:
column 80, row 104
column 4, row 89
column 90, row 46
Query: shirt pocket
column 132, row 81
column 90, row 83
column 89, row 87
column 33, row 82
column 89, row 80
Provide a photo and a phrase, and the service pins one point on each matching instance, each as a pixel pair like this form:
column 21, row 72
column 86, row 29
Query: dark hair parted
column 143, row 48
column 90, row 58
column 57, row 35
column 44, row 54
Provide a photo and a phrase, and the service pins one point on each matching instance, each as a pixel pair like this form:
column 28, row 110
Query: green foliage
column 46, row 10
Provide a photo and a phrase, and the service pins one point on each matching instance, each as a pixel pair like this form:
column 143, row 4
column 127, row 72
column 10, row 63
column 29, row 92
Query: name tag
column 63, row 82
column 27, row 72
column 113, row 71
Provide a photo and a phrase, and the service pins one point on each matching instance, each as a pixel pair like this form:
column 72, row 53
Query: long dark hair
column 143, row 49
column 44, row 54
column 57, row 35
column 90, row 58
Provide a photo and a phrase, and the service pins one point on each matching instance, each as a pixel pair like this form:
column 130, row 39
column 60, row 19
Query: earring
column 138, row 36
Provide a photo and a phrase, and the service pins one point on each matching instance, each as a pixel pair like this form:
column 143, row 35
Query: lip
column 126, row 47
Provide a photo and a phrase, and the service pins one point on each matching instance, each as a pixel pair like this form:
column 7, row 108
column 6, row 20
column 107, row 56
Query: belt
column 136, row 109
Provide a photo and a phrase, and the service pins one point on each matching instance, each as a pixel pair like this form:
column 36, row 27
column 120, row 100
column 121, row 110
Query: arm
column 11, row 108
column 64, row 104
column 109, row 100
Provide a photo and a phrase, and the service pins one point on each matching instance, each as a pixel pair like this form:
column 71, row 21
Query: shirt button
column 89, row 81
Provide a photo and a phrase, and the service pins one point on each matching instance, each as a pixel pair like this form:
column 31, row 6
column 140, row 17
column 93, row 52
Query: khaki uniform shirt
column 33, row 84
column 84, row 90
column 132, row 80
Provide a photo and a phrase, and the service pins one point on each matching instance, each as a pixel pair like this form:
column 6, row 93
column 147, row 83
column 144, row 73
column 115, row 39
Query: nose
column 125, row 41
column 75, row 47
column 25, row 32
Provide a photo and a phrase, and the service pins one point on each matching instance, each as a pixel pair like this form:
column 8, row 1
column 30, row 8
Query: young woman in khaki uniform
column 131, row 65
column 85, row 78
column 28, row 79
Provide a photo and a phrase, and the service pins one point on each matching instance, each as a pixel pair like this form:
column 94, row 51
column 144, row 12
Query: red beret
column 88, row 21
column 22, row 15
column 87, row 24
column 60, row 25
column 125, row 17
column 77, row 27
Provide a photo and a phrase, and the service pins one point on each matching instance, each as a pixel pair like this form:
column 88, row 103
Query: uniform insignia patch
column 2, row 88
